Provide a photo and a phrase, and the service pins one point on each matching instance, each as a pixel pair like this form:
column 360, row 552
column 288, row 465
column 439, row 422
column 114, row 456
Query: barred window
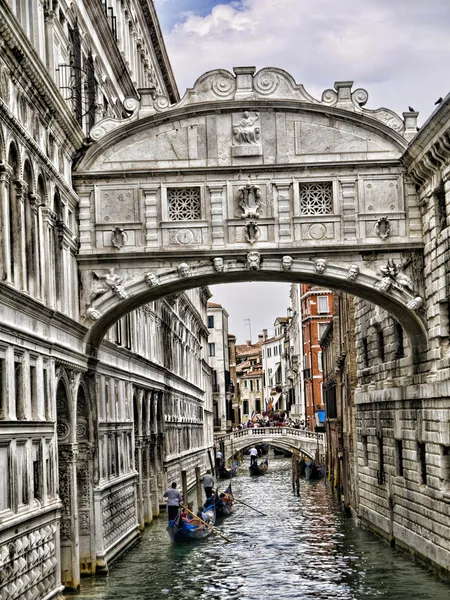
column 316, row 198
column 184, row 204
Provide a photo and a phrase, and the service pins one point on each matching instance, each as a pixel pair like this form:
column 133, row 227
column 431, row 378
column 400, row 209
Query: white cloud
column 398, row 49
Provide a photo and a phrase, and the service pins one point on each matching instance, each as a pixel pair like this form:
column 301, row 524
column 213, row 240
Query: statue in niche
column 395, row 274
column 286, row 263
column 320, row 264
column 383, row 228
column 219, row 265
column 246, row 131
column 253, row 261
column 151, row 279
column 251, row 232
column 184, row 270
column 118, row 237
column 353, row 273
column 108, row 283
column 249, row 200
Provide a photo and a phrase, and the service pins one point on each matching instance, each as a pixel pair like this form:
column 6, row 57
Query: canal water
column 303, row 549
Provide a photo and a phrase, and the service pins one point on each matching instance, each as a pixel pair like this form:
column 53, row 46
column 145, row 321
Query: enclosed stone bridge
column 285, row 438
column 249, row 178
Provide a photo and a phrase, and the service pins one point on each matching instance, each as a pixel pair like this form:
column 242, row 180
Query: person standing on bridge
column 253, row 456
column 174, row 497
column 208, row 484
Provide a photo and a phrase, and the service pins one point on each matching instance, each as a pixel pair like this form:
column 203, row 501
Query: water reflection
column 304, row 549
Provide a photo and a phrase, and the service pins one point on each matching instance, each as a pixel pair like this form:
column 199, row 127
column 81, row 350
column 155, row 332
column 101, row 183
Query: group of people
column 175, row 499
column 272, row 423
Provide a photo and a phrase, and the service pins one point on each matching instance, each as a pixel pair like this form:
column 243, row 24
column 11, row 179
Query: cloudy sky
column 399, row 50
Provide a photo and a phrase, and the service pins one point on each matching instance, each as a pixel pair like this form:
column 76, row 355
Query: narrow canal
column 304, row 549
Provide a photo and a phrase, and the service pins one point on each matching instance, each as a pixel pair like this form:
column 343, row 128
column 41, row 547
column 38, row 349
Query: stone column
column 152, row 231
column 349, row 209
column 284, row 213
column 35, row 203
column 5, row 262
column 70, row 557
column 217, row 215
column 49, row 16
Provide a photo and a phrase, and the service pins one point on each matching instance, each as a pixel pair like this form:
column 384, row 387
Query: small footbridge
column 285, row 438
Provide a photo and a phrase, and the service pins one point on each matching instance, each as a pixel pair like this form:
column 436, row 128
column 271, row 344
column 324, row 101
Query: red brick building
column 316, row 306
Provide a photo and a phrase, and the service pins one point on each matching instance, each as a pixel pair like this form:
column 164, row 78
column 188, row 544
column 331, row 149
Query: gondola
column 313, row 470
column 223, row 502
column 183, row 531
column 224, row 473
column 260, row 469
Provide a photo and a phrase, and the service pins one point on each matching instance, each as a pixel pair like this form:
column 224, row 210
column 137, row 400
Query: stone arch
column 281, row 444
column 14, row 230
column 127, row 296
column 42, row 188
column 32, row 246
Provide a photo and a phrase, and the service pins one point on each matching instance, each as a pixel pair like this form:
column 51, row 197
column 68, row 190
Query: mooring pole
column 199, row 487
column 293, row 472
column 184, row 487
column 297, row 475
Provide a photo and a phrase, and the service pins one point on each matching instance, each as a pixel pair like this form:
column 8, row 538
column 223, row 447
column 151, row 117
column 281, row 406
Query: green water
column 304, row 549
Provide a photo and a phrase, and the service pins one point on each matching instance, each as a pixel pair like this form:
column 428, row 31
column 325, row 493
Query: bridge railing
column 256, row 432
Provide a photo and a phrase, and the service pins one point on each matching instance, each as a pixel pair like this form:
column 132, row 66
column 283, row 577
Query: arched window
column 13, row 218
column 31, row 233
column 57, row 249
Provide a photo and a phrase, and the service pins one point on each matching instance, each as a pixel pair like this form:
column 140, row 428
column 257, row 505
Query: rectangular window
column 380, row 472
column 184, row 204
column 275, row 350
column 321, row 327
column 316, row 198
column 4, row 477
column 365, row 352
column 211, row 349
column 245, row 383
column 422, row 460
column 33, row 392
column 251, row 385
column 36, row 473
column 258, row 405
column 365, row 450
column 3, row 407
column 245, row 407
column 257, row 385
column 323, row 305
column 128, row 331
column 399, row 342
column 46, row 394
column 210, row 321
column 18, row 381
column 269, row 352
column 399, row 458
column 319, row 361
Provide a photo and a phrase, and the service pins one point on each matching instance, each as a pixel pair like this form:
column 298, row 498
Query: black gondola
column 223, row 503
column 260, row 469
column 224, row 473
column 181, row 530
column 313, row 470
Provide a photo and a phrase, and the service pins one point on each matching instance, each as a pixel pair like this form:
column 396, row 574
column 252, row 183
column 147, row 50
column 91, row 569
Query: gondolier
column 253, row 456
column 174, row 497
column 208, row 484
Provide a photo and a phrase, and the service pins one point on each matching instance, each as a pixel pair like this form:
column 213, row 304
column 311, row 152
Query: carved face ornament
column 287, row 262
column 184, row 270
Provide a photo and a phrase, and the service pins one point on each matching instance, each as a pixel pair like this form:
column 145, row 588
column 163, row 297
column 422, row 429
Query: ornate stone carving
column 286, row 263
column 353, row 273
column 118, row 237
column 395, row 274
column 151, row 279
column 383, row 228
column 415, row 303
column 92, row 314
column 253, row 261
column 118, row 514
column 109, row 283
column 249, row 197
column 320, row 264
column 184, row 270
column 219, row 265
column 251, row 232
column 246, row 130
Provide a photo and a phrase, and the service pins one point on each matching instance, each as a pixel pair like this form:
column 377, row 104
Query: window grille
column 316, row 198
column 184, row 204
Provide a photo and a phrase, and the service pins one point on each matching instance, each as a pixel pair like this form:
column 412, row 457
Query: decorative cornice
column 28, row 60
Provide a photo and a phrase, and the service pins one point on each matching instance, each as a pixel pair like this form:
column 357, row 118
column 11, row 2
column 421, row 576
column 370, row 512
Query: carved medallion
column 317, row 231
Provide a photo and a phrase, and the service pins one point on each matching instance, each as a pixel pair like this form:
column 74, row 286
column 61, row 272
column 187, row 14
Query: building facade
column 273, row 354
column 249, row 379
column 294, row 356
column 219, row 361
column 316, row 305
column 86, row 445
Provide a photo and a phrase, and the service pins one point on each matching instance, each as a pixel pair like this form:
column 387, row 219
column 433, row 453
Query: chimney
column 260, row 337
column 265, row 334
column 249, row 342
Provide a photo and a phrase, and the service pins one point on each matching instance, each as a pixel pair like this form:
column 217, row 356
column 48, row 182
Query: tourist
column 208, row 484
column 219, row 460
column 174, row 498
column 253, row 456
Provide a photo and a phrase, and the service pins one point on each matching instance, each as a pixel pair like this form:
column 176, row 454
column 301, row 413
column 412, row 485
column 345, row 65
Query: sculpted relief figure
column 396, row 274
column 353, row 273
column 249, row 197
column 246, row 131
column 108, row 283
column 151, row 279
column 219, row 265
column 286, row 263
column 184, row 270
column 320, row 264
column 253, row 261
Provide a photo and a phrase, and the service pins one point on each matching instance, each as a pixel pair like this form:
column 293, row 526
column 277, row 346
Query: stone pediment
column 247, row 85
